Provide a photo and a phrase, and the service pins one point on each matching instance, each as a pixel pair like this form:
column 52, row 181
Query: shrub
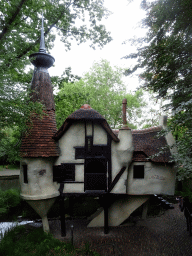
column 8, row 199
column 28, row 242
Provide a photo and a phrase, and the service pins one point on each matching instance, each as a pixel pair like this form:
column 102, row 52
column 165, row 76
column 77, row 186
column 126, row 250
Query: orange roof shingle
column 38, row 141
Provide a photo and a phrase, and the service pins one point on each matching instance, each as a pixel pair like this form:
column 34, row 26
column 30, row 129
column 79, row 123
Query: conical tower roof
column 38, row 141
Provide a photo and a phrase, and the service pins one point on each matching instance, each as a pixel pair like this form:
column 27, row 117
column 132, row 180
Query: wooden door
column 96, row 174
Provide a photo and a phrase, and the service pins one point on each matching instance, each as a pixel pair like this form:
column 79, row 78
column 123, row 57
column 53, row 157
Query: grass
column 9, row 166
column 27, row 241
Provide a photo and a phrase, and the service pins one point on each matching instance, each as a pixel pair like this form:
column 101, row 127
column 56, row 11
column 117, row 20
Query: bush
column 9, row 199
column 28, row 242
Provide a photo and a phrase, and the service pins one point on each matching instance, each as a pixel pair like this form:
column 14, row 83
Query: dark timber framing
column 100, row 156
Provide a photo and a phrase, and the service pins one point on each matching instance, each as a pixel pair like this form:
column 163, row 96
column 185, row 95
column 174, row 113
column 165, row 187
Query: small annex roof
column 147, row 143
column 85, row 113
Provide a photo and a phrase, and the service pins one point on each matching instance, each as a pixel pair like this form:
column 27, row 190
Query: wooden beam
column 105, row 207
column 116, row 179
column 62, row 213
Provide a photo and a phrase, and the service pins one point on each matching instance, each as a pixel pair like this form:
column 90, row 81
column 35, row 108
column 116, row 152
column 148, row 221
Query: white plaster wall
column 73, row 188
column 74, row 136
column 100, row 135
column 158, row 179
column 122, row 153
column 89, row 129
column 40, row 179
column 79, row 173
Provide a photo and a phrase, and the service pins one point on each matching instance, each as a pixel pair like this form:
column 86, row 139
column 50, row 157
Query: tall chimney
column 125, row 126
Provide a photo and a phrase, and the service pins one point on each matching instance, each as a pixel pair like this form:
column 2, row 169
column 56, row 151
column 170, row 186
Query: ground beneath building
column 165, row 235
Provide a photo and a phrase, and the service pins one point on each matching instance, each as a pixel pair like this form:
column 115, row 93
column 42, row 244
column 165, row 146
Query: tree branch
column 32, row 45
column 12, row 19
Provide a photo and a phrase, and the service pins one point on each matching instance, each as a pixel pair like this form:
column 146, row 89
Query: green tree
column 9, row 146
column 102, row 88
column 164, row 58
column 20, row 22
column 20, row 34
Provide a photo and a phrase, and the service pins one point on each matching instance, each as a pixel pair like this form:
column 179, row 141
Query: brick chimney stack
column 125, row 126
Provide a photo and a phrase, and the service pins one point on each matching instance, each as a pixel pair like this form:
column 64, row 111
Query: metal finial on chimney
column 42, row 42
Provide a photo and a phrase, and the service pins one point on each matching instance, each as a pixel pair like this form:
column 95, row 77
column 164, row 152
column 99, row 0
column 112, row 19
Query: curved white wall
column 40, row 179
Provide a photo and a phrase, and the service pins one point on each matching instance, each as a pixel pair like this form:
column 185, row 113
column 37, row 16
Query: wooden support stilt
column 62, row 213
column 145, row 209
column 71, row 202
column 105, row 206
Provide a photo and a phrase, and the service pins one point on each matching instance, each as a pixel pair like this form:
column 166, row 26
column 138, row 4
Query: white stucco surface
column 79, row 173
column 73, row 188
column 121, row 157
column 42, row 207
column 74, row 136
column 158, row 179
column 119, row 211
column 40, row 179
column 100, row 135
column 89, row 129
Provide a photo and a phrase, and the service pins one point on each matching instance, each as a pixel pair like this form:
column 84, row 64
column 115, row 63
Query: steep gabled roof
column 147, row 143
column 85, row 113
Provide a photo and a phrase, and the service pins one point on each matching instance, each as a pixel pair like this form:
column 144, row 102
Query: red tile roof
column 38, row 141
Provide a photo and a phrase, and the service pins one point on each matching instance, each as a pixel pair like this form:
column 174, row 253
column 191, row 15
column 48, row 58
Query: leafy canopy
column 164, row 59
column 20, row 23
column 103, row 89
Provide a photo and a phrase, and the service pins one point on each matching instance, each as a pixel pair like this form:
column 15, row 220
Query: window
column 69, row 172
column 25, row 176
column 64, row 172
column 79, row 152
column 138, row 171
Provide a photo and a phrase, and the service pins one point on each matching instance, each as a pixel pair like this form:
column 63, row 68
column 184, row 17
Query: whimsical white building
column 86, row 157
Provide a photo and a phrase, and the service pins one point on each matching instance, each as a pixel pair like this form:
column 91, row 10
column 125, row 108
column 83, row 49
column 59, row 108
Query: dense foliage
column 9, row 199
column 103, row 89
column 164, row 59
column 27, row 241
column 20, row 23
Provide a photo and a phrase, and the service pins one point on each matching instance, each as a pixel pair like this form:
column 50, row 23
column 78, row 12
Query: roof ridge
column 146, row 130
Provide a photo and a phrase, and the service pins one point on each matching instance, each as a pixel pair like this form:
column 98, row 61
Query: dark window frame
column 64, row 172
column 138, row 171
column 25, row 173
column 79, row 152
